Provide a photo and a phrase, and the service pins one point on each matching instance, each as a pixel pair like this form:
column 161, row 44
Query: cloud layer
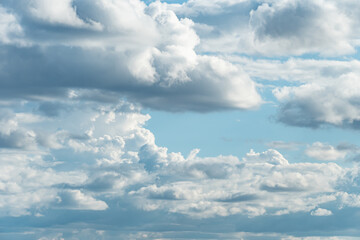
column 79, row 81
column 119, row 159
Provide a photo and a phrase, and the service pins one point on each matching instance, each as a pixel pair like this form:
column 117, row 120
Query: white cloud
column 321, row 212
column 297, row 70
column 298, row 27
column 263, row 183
column 279, row 28
column 116, row 166
column 120, row 160
column 307, row 89
column 76, row 200
column 60, row 12
column 27, row 182
column 314, row 104
column 74, row 145
column 271, row 156
column 143, row 52
column 324, row 152
column 349, row 199
column 10, row 29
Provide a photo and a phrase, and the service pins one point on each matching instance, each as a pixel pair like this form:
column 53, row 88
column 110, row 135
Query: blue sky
column 224, row 119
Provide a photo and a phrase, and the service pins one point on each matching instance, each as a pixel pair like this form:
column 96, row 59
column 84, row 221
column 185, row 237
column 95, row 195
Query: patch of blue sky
column 236, row 132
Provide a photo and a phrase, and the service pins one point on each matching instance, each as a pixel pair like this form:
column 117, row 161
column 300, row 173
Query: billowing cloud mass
column 313, row 104
column 307, row 100
column 80, row 156
column 91, row 155
column 274, row 28
column 143, row 52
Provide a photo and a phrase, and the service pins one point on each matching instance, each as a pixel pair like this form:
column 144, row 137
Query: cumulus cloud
column 27, row 182
column 61, row 12
column 269, row 28
column 30, row 180
column 321, row 212
column 313, row 104
column 145, row 53
column 297, row 27
column 307, row 89
column 120, row 160
column 325, row 152
column 14, row 136
column 76, row 200
column 106, row 164
column 76, row 142
column 225, row 186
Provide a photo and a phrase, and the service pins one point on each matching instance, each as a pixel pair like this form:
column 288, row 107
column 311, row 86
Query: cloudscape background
column 197, row 119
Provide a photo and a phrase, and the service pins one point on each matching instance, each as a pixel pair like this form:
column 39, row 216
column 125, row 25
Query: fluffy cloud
column 325, row 152
column 62, row 12
column 27, row 183
column 313, row 104
column 274, row 27
column 297, row 27
column 76, row 147
column 226, row 185
column 76, row 200
column 306, row 98
column 103, row 163
column 30, row 178
column 321, row 212
column 145, row 53
column 119, row 159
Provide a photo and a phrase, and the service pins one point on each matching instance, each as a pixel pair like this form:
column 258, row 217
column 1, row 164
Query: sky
column 197, row 119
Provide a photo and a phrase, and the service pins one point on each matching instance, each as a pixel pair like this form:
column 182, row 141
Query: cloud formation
column 78, row 83
column 274, row 28
column 326, row 152
column 313, row 104
column 119, row 159
column 145, row 53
